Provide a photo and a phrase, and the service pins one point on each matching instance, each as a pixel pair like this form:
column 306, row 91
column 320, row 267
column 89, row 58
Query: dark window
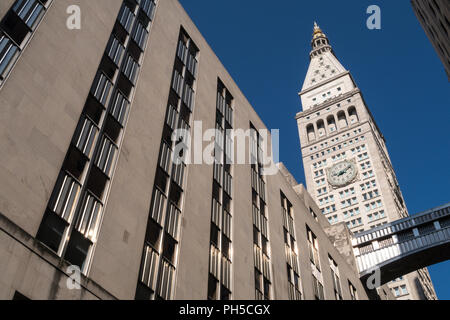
column 258, row 277
column 77, row 249
column 215, row 235
column 266, row 289
column 153, row 233
column 226, row 246
column 143, row 292
column 51, row 230
column 256, row 236
column 8, row 54
column 212, row 287
column 265, row 245
column 225, row 294
column 169, row 249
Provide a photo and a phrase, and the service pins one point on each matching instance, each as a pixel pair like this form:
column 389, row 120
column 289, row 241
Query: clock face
column 342, row 174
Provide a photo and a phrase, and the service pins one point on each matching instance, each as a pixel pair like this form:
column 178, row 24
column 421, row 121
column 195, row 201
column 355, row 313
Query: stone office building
column 88, row 180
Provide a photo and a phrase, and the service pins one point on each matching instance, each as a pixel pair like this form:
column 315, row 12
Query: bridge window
column 426, row 228
column 405, row 235
column 445, row 222
column 366, row 249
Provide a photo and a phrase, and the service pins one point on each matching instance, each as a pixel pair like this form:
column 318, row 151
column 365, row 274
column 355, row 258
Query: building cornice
column 327, row 103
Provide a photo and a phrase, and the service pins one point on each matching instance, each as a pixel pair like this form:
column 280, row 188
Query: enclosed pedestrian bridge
column 403, row 246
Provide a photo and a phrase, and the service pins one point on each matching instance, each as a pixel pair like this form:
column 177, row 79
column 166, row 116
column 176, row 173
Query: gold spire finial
column 317, row 31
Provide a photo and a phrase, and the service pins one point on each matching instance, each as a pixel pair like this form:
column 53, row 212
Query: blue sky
column 265, row 47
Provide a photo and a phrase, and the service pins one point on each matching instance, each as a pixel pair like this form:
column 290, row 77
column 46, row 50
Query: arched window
column 353, row 115
column 311, row 133
column 331, row 124
column 342, row 119
column 321, row 128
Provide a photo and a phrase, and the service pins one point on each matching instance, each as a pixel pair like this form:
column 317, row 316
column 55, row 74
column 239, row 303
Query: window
column 120, row 108
column 88, row 221
column 188, row 96
column 165, row 280
column 351, row 213
column 65, row 195
column 140, row 35
column 29, row 11
column 77, row 249
column 313, row 245
column 149, row 267
column 403, row 290
column 148, row 6
column 335, row 277
column 101, row 88
column 293, row 270
column 115, row 50
column 164, row 223
column 158, row 206
column 333, row 219
column 178, row 174
column 177, row 82
column 126, row 18
column 106, row 156
column 8, row 55
column 192, row 64
column 260, row 222
column 354, row 223
column 221, row 217
column 172, row 225
column 131, row 69
column 353, row 293
column 71, row 222
column 318, row 289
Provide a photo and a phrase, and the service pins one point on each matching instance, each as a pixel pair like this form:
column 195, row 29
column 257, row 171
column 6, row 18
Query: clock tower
column 347, row 166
